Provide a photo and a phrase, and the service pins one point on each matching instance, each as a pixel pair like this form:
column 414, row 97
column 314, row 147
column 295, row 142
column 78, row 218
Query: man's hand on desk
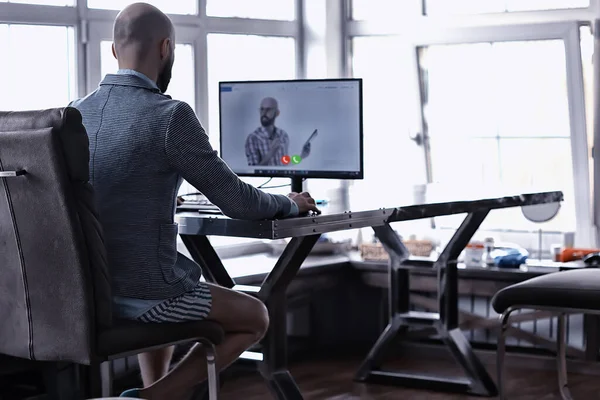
column 305, row 202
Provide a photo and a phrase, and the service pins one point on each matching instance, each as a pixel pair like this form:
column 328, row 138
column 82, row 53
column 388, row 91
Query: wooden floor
column 332, row 380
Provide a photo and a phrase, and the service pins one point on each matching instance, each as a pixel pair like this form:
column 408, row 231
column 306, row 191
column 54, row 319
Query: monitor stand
column 297, row 186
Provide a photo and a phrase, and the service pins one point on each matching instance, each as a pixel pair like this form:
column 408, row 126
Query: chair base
column 561, row 359
column 62, row 383
column 99, row 378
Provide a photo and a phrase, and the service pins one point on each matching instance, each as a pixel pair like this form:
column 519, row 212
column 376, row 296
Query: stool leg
column 107, row 376
column 501, row 351
column 213, row 376
column 561, row 358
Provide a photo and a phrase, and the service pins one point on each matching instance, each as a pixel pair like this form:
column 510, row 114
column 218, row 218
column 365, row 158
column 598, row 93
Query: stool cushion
column 129, row 336
column 576, row 289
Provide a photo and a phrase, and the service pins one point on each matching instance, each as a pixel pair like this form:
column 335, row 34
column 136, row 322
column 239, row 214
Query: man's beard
column 165, row 76
column 266, row 121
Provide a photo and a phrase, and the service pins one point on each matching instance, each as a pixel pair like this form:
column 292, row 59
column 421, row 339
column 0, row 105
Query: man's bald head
column 269, row 111
column 144, row 40
column 269, row 102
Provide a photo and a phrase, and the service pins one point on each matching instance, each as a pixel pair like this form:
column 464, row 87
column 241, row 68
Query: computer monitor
column 297, row 128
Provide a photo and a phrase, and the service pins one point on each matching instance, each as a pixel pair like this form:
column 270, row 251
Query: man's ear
column 277, row 113
column 165, row 49
column 114, row 51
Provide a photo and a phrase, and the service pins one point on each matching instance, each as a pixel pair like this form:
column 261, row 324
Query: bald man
column 142, row 144
column 268, row 145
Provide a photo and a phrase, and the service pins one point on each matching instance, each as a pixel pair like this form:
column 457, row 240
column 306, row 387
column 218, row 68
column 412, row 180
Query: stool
column 575, row 291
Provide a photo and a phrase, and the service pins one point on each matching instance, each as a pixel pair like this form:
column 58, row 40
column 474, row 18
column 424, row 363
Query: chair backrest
column 54, row 282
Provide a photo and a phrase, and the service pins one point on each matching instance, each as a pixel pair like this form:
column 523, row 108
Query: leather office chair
column 574, row 291
column 55, row 298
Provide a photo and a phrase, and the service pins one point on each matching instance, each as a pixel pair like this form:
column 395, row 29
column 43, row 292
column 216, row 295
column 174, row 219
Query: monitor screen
column 300, row 128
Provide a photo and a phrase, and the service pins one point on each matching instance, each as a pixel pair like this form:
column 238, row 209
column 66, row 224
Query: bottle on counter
column 474, row 253
column 488, row 260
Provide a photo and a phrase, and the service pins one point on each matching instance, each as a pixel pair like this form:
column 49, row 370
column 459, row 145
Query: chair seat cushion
column 129, row 336
column 576, row 289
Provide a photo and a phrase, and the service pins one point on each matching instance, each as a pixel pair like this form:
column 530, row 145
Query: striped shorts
column 194, row 305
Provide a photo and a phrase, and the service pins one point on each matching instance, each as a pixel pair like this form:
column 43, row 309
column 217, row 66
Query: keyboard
column 202, row 206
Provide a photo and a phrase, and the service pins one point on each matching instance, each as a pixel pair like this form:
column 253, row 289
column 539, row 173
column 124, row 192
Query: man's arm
column 190, row 153
column 252, row 154
column 285, row 142
column 269, row 159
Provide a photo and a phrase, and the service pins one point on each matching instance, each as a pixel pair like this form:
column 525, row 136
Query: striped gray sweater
column 142, row 143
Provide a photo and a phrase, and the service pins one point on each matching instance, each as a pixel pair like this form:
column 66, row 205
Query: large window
column 182, row 85
column 26, row 85
column 167, row 6
column 498, row 115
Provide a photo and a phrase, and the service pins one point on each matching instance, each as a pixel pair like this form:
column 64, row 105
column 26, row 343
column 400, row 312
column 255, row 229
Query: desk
column 194, row 229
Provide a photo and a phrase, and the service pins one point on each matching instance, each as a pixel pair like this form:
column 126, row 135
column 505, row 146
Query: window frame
column 334, row 38
column 514, row 26
column 569, row 33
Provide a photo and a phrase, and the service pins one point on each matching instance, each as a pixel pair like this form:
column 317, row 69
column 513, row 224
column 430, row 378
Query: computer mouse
column 592, row 259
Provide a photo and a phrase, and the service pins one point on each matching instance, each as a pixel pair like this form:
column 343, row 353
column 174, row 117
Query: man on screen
column 268, row 145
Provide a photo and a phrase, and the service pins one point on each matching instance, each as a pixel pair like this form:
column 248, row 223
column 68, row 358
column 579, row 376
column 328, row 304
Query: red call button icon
column 285, row 160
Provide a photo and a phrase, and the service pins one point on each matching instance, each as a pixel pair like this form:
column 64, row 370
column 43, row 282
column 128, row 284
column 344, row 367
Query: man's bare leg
column 245, row 321
column 155, row 364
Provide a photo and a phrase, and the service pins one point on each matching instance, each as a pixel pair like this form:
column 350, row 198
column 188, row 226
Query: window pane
column 476, row 158
column 182, row 85
column 43, row 2
column 459, row 70
column 25, row 85
column 167, row 6
column 498, row 114
column 261, row 9
column 386, row 72
column 237, row 57
column 529, row 5
column 587, row 63
column 444, row 7
column 531, row 163
column 531, row 93
column 456, row 7
column 383, row 9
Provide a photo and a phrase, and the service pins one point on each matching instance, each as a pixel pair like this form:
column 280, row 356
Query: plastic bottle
column 488, row 260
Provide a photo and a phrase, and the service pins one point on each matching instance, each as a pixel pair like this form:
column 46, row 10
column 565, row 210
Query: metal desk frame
column 306, row 231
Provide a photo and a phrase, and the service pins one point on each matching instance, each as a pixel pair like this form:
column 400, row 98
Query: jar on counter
column 474, row 253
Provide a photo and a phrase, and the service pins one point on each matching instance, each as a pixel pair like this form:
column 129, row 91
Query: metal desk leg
column 398, row 298
column 273, row 368
column 446, row 322
column 204, row 254
column 273, row 293
column 480, row 381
